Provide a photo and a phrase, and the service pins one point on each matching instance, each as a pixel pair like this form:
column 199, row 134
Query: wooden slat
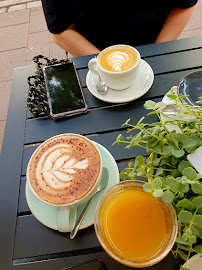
column 169, row 263
column 176, row 61
column 10, row 166
column 23, row 208
column 171, row 46
column 34, row 239
column 95, row 121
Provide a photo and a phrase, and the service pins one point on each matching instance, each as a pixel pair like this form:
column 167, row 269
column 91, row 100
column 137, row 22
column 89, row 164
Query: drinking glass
column 100, row 225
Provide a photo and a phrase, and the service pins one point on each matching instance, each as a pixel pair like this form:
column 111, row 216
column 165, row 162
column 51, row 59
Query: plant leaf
column 190, row 173
column 122, row 176
column 137, row 139
column 130, row 165
column 196, row 188
column 198, row 249
column 149, row 104
column 185, row 203
column 147, row 187
column 178, row 153
column 120, row 139
column 172, row 96
column 167, row 150
column 197, row 202
column 140, row 160
column 183, row 187
column 156, row 161
column 184, row 164
column 158, row 193
column 157, row 183
column 185, row 216
column 182, row 255
column 172, row 183
column 127, row 121
column 188, row 142
column 197, row 220
column 167, row 196
column 159, row 171
column 141, row 119
column 195, row 231
column 180, row 241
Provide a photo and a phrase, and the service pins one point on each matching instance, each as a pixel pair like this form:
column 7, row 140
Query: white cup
column 118, row 80
column 66, row 213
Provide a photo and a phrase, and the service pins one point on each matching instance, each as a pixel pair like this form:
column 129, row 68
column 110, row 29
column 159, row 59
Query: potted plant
column 170, row 175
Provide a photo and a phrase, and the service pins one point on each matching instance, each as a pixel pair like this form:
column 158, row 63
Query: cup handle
column 92, row 64
column 66, row 218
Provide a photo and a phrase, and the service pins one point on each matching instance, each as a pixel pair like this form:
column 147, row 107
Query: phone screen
column 64, row 90
column 93, row 265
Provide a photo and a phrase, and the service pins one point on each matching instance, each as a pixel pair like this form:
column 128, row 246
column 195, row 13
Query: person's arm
column 174, row 24
column 74, row 43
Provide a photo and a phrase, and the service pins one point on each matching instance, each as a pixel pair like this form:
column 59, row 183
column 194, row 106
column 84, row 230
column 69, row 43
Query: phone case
column 69, row 113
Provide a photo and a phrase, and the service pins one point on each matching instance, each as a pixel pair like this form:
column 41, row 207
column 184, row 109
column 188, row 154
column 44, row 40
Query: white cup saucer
column 140, row 87
column 194, row 263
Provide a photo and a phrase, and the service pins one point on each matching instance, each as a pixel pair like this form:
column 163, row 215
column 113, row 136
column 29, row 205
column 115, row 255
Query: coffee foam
column 118, row 58
column 64, row 169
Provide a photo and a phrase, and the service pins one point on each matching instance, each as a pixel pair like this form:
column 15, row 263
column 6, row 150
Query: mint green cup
column 66, row 213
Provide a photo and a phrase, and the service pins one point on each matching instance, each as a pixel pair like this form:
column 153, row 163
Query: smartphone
column 91, row 265
column 64, row 91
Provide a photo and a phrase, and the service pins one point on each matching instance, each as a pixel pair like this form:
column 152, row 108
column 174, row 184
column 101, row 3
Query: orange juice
column 135, row 225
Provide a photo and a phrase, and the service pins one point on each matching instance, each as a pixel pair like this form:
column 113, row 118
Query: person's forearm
column 74, row 43
column 174, row 24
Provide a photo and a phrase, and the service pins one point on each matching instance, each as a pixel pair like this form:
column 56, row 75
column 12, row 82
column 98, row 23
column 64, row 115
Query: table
column 24, row 242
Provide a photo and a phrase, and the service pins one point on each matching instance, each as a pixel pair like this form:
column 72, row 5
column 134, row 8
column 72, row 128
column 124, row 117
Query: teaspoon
column 101, row 87
column 102, row 185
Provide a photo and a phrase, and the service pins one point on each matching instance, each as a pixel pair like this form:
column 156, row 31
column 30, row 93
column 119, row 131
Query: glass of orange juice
column 133, row 227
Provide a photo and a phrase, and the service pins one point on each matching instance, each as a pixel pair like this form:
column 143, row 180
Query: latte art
column 64, row 169
column 58, row 168
column 118, row 58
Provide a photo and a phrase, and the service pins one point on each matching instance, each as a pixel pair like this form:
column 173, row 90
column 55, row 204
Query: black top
column 108, row 22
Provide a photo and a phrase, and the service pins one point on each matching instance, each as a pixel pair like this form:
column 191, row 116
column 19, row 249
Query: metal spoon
column 101, row 87
column 102, row 185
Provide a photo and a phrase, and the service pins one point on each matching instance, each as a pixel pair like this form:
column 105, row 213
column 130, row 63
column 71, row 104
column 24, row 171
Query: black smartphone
column 91, row 265
column 64, row 91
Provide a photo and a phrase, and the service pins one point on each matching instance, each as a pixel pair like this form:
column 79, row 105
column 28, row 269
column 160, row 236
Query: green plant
column 170, row 175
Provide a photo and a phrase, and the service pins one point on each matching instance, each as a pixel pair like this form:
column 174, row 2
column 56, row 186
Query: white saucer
column 47, row 214
column 194, row 263
column 140, row 87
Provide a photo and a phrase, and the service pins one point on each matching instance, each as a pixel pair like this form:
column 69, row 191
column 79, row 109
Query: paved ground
column 24, row 34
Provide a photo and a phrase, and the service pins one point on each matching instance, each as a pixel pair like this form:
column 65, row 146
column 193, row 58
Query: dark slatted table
column 24, row 242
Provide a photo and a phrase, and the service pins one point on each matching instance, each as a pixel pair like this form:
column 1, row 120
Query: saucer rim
column 103, row 97
column 91, row 222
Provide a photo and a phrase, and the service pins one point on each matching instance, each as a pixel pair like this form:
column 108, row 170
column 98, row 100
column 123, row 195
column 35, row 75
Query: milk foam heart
column 64, row 169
